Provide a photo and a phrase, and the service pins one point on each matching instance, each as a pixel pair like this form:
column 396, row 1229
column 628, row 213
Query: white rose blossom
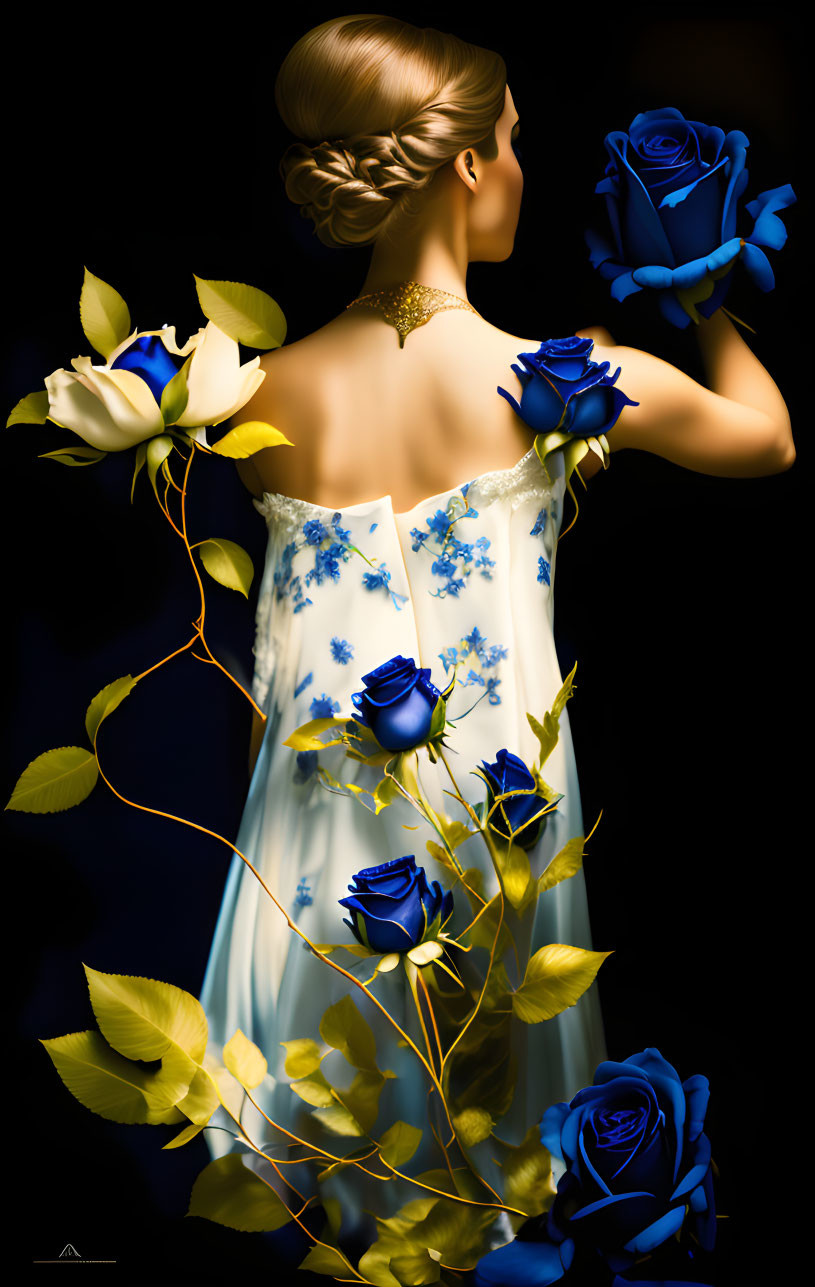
column 113, row 409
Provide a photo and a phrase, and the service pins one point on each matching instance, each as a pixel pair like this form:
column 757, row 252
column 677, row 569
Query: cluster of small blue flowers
column 330, row 542
column 304, row 898
column 475, row 644
column 323, row 707
column 544, row 566
column 341, row 650
column 378, row 580
column 455, row 559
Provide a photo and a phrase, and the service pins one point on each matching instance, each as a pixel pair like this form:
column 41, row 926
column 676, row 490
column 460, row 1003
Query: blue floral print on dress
column 323, row 707
column 378, row 580
column 341, row 650
column 304, row 683
column 307, row 764
column 475, row 649
column 453, row 558
column 331, row 544
column 304, row 898
column 544, row 570
column 544, row 566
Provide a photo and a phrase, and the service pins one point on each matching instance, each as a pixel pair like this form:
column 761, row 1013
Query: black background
column 152, row 155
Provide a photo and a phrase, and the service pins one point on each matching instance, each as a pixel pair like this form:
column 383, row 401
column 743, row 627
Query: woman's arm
column 739, row 428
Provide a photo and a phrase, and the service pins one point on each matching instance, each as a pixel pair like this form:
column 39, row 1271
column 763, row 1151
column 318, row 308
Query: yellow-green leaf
column 227, row 563
column 343, row 1027
column 30, row 410
column 158, row 449
column 564, row 864
column 338, row 1119
column 184, row 1136
column 244, row 1060
column 175, row 394
column 106, row 700
column 548, row 732
column 142, row 1018
column 247, row 438
column 528, row 1170
column 229, row 1193
column 315, row 1089
column 323, row 1259
column 104, row 315
column 243, row 312
column 71, row 455
column 514, row 869
column 362, row 1097
column 201, row 1099
column 307, row 736
column 302, row 1056
column 472, row 1126
column 399, row 1143
column 141, row 456
column 106, row 1083
column 556, row 977
column 55, row 781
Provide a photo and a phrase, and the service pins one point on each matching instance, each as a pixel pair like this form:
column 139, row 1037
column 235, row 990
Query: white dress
column 326, row 617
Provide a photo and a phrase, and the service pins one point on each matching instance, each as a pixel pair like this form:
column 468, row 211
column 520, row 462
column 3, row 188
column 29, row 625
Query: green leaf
column 307, row 736
column 104, row 315
column 141, row 456
column 302, row 1056
column 184, row 1136
column 106, row 701
column 548, row 732
column 106, row 1083
column 473, row 1125
column 361, row 1098
column 201, row 1099
column 564, row 864
column 142, row 1018
column 55, row 781
column 243, row 312
column 514, row 870
column 175, row 394
column 399, row 1143
column 247, row 438
column 343, row 1027
column 323, row 1259
column 245, row 1061
column 30, row 410
column 227, row 563
column 556, row 977
column 338, row 1119
column 315, row 1089
column 529, row 1185
column 158, row 449
column 229, row 1193
column 438, row 719
column 71, row 455
column 441, row 855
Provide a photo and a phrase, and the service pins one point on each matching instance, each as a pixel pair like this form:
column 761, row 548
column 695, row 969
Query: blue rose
column 564, row 389
column 397, row 704
column 637, row 1168
column 148, row 358
column 672, row 189
column 508, row 773
column 393, row 907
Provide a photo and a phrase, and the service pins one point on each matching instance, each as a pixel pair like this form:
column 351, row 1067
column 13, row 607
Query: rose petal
column 523, row 1264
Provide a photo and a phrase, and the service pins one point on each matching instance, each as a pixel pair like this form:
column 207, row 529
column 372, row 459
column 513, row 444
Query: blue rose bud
column 148, row 357
column 393, row 906
column 397, row 704
column 562, row 388
column 509, row 773
column 638, row 1168
column 672, row 189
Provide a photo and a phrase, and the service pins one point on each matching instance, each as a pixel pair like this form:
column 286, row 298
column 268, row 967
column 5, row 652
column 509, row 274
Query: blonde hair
column 380, row 106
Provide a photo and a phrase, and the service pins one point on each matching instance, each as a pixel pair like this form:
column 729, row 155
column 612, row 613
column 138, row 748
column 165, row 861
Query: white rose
column 116, row 409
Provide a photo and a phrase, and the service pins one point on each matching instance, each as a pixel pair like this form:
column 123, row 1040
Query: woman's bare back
column 368, row 419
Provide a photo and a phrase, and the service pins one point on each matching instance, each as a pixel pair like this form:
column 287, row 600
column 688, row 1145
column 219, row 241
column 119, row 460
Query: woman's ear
column 464, row 166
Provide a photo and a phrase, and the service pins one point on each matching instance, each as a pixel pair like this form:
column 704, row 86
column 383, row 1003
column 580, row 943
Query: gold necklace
column 409, row 304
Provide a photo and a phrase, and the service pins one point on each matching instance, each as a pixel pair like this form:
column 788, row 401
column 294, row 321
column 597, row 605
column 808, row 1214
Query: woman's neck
column 430, row 248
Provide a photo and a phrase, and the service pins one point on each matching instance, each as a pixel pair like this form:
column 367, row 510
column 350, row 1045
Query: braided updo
column 380, row 106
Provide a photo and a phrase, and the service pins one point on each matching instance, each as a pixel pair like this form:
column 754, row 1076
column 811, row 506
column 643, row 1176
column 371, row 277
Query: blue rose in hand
column 397, row 704
column 508, row 773
column 393, row 906
column 672, row 189
column 564, row 389
column 637, row 1168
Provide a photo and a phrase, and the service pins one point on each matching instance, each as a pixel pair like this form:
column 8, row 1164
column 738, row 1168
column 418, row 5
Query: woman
column 406, row 144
